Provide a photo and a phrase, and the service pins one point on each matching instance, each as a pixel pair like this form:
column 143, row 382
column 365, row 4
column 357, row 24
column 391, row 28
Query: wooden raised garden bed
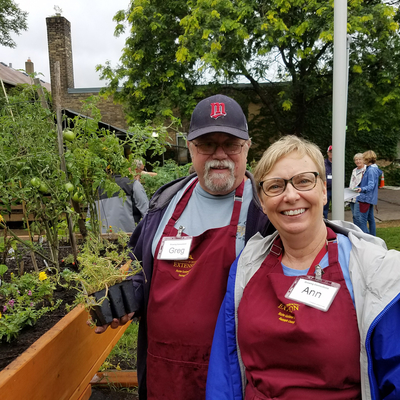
column 61, row 363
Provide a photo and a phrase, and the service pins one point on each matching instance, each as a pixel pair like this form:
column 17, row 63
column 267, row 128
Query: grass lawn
column 391, row 235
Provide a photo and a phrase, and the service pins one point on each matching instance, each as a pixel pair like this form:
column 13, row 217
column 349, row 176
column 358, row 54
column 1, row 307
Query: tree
column 175, row 47
column 12, row 19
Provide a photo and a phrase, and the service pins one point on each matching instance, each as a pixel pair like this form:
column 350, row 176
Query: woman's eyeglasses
column 302, row 182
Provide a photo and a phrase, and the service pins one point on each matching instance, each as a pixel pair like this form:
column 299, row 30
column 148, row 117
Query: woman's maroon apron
column 185, row 298
column 293, row 351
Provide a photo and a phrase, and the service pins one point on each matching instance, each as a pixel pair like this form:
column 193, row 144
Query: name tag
column 314, row 293
column 329, row 177
column 175, row 248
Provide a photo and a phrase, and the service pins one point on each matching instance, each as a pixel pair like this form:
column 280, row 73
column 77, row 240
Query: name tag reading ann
column 314, row 293
column 175, row 248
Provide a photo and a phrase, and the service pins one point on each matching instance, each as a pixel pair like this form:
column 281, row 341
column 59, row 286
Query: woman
column 355, row 180
column 307, row 346
column 364, row 207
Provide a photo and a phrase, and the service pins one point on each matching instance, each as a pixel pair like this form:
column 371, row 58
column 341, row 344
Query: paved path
column 388, row 205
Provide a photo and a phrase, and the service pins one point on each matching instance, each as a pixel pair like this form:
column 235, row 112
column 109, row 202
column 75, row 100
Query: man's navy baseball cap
column 218, row 113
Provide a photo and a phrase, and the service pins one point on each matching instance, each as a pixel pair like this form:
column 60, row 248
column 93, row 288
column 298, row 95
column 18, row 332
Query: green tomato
column 69, row 187
column 43, row 188
column 68, row 135
column 77, row 197
column 35, row 182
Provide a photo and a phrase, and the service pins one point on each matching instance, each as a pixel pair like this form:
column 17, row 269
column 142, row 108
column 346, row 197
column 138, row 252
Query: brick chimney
column 29, row 67
column 60, row 49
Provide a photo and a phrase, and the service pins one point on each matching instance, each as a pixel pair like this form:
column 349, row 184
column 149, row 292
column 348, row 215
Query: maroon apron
column 185, row 298
column 293, row 351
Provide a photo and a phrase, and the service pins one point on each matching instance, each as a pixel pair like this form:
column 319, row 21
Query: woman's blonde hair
column 369, row 157
column 358, row 155
column 284, row 146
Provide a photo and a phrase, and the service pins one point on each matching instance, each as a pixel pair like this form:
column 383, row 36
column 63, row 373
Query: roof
column 119, row 132
column 14, row 77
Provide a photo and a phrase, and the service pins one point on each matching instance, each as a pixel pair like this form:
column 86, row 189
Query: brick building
column 60, row 49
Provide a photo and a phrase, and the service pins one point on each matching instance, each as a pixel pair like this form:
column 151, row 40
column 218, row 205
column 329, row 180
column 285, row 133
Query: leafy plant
column 100, row 263
column 23, row 301
column 166, row 173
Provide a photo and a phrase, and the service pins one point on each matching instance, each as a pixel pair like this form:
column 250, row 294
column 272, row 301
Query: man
column 120, row 214
column 328, row 172
column 193, row 231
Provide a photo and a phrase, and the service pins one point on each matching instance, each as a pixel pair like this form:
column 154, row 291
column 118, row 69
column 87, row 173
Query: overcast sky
column 92, row 31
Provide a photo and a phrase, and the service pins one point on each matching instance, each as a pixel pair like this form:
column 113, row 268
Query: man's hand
column 115, row 323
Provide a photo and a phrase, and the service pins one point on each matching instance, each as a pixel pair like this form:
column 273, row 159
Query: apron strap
column 237, row 205
column 182, row 203
column 276, row 252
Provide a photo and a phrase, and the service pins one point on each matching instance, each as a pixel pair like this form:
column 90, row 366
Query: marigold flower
column 0, row 315
column 42, row 276
column 1, row 218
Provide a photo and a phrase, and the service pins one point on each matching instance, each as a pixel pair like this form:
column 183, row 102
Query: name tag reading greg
column 314, row 293
column 174, row 248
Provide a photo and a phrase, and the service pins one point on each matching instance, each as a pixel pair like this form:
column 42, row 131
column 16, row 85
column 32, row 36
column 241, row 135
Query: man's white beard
column 219, row 182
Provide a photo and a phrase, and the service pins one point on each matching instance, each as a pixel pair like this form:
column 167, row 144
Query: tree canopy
column 12, row 20
column 281, row 49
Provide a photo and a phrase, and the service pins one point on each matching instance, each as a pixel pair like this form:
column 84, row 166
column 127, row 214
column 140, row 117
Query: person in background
column 140, row 170
column 368, row 189
column 312, row 311
column 117, row 213
column 193, row 231
column 355, row 180
column 328, row 171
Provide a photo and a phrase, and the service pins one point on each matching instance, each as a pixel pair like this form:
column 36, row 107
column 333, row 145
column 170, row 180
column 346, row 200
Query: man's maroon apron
column 293, row 351
column 185, row 298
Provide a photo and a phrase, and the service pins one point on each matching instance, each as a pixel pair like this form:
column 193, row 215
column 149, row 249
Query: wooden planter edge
column 61, row 363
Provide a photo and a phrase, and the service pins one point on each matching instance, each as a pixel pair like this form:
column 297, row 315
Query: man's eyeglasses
column 302, row 182
column 208, row 148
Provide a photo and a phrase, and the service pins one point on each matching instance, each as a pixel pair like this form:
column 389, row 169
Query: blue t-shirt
column 205, row 211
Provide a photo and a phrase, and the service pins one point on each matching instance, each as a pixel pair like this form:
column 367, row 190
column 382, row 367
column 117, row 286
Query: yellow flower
column 42, row 276
column 1, row 218
column 0, row 315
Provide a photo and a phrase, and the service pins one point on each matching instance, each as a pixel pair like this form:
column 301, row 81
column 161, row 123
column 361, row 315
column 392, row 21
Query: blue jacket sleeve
column 371, row 179
column 224, row 380
column 385, row 382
